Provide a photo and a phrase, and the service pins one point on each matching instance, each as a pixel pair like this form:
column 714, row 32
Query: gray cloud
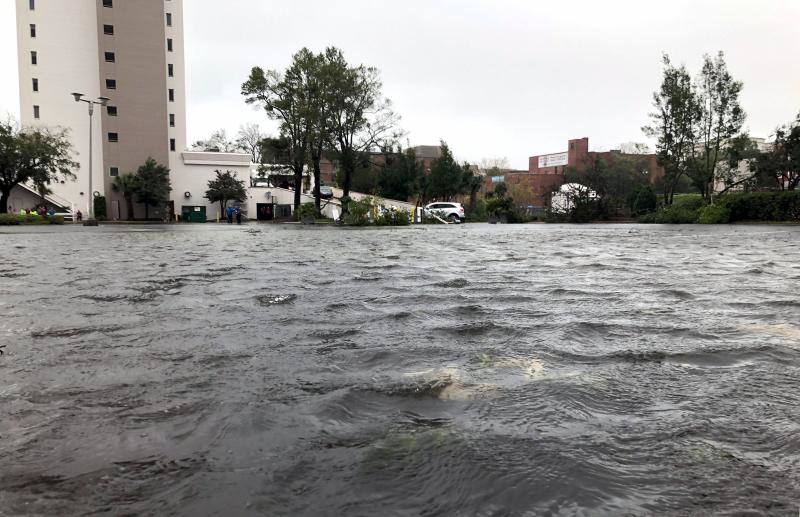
column 494, row 78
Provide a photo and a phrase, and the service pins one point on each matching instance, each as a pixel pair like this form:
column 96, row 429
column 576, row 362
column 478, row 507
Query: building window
column 170, row 70
column 169, row 44
column 171, row 95
column 169, row 19
column 35, row 85
column 172, row 144
column 108, row 30
column 34, row 58
column 111, row 110
column 32, row 4
column 113, row 171
column 108, row 3
column 111, row 57
column 171, row 120
column 36, row 112
column 33, row 30
column 111, row 84
column 113, row 137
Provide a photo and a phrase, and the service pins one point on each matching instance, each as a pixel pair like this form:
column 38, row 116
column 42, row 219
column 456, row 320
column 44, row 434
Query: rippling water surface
column 470, row 370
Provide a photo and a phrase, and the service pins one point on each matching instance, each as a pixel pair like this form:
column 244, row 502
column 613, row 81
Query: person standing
column 79, row 216
column 238, row 215
column 229, row 213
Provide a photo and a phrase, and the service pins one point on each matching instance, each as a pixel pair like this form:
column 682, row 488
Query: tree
column 249, row 140
column 677, row 112
column 225, row 187
column 127, row 185
column 218, row 142
column 286, row 97
column 471, row 182
column 360, row 117
column 152, row 185
column 781, row 164
column 720, row 119
column 400, row 176
column 446, row 178
column 36, row 155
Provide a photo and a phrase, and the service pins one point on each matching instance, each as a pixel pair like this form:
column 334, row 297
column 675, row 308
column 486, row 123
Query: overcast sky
column 494, row 78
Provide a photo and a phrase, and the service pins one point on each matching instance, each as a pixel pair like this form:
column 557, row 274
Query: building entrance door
column 265, row 211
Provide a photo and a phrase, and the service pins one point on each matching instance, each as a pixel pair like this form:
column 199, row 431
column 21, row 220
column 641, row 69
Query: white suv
column 453, row 212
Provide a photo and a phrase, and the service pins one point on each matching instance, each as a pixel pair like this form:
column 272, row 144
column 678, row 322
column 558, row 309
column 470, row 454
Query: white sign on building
column 553, row 160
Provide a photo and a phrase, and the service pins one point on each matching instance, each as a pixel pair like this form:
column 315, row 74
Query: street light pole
column 101, row 101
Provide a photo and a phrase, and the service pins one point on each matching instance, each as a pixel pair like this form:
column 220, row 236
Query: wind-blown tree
column 225, row 187
column 360, row 117
column 152, row 185
column 471, row 182
column 720, row 119
column 35, row 155
column 780, row 165
column 286, row 97
column 127, row 185
column 446, row 178
column 674, row 120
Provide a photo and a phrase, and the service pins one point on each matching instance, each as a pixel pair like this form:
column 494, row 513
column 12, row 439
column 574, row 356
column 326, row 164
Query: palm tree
column 127, row 185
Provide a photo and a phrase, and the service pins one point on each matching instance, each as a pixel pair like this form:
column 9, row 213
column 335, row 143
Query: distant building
column 533, row 188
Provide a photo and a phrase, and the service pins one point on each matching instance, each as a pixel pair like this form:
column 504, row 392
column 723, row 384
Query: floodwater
column 473, row 370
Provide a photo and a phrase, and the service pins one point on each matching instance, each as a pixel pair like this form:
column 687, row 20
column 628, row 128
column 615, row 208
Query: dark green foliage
column 400, row 176
column 358, row 213
column 152, row 185
column 37, row 155
column 393, row 218
column 225, row 187
column 100, row 211
column 500, row 206
column 643, row 200
column 446, row 178
column 479, row 214
column 754, row 207
column 126, row 184
column 714, row 214
column 306, row 211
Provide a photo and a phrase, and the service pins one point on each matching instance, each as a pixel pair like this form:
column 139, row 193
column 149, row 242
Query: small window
column 32, row 5
column 169, row 19
column 33, row 30
column 111, row 57
column 108, row 30
column 111, row 110
column 36, row 112
column 108, row 3
column 34, row 58
column 113, row 137
column 172, row 144
column 35, row 84
column 171, row 120
column 111, row 84
column 170, row 70
column 113, row 172
column 171, row 95
column 169, row 44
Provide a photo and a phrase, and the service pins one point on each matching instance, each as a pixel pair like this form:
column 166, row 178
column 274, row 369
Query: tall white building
column 130, row 51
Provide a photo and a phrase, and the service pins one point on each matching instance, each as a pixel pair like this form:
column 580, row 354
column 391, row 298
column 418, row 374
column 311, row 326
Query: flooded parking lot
column 473, row 370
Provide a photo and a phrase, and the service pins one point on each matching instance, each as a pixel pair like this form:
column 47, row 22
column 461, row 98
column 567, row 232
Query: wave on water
column 455, row 283
column 272, row 300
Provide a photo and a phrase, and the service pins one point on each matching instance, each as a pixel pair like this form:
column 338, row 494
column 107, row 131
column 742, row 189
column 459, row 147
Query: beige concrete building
column 129, row 51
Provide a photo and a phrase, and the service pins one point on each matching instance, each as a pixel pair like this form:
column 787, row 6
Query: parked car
column 452, row 212
column 325, row 192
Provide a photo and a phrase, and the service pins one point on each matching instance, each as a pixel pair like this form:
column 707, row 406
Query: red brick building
column 546, row 172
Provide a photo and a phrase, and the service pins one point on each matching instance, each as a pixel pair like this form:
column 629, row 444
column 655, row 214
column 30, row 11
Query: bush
column 688, row 202
column 479, row 215
column 764, row 206
column 100, row 208
column 393, row 217
column 716, row 214
column 15, row 219
column 644, row 200
column 306, row 211
column 359, row 212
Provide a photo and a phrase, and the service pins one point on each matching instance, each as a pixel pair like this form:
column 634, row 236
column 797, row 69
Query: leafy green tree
column 612, row 181
column 446, row 178
column 780, row 165
column 37, row 155
column 643, row 200
column 226, row 186
column 400, row 176
column 360, row 117
column 287, row 98
column 127, row 185
column 720, row 119
column 676, row 114
column 152, row 185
